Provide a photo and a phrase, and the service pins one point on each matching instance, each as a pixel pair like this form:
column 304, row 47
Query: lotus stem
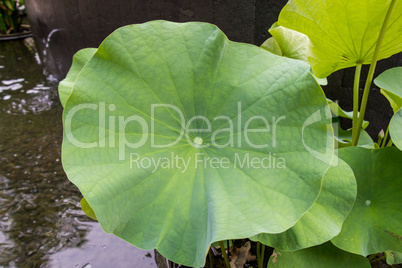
column 225, row 256
column 390, row 143
column 371, row 72
column 262, row 254
column 356, row 97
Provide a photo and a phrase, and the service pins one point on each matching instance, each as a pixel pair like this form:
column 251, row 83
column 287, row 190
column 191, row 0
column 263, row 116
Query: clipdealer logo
column 236, row 131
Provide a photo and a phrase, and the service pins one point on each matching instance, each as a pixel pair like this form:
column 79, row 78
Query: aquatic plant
column 179, row 138
column 10, row 16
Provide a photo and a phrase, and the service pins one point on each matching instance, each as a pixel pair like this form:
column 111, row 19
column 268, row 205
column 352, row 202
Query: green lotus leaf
column 390, row 83
column 320, row 81
column 338, row 111
column 272, row 46
column 288, row 43
column 395, row 129
column 343, row 138
column 343, row 33
column 374, row 224
column 324, row 219
column 325, row 256
column 156, row 138
column 393, row 257
column 79, row 60
column 293, row 44
column 87, row 209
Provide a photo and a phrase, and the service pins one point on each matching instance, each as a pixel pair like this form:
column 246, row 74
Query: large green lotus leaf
column 324, row 219
column 325, row 256
column 395, row 129
column 390, row 83
column 79, row 60
column 154, row 138
column 374, row 224
column 343, row 33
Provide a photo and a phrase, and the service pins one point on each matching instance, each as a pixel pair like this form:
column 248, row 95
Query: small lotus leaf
column 288, row 43
column 293, row 44
column 395, row 129
column 87, row 209
column 343, row 138
column 338, row 111
column 272, row 46
column 393, row 257
column 390, row 83
column 325, row 256
column 374, row 224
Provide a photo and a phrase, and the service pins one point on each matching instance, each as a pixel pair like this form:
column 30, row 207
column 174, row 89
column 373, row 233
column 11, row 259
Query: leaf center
column 198, row 142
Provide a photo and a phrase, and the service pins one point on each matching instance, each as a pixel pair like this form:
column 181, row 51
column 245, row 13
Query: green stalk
column 390, row 143
column 262, row 254
column 378, row 259
column 356, row 97
column 371, row 257
column 225, row 256
column 371, row 73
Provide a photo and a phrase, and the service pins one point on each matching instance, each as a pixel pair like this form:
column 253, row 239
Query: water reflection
column 41, row 223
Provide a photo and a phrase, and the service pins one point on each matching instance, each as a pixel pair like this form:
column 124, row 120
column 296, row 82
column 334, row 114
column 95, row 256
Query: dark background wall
column 63, row 27
column 85, row 23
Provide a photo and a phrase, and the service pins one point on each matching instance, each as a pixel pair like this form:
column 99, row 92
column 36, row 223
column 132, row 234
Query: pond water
column 41, row 222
